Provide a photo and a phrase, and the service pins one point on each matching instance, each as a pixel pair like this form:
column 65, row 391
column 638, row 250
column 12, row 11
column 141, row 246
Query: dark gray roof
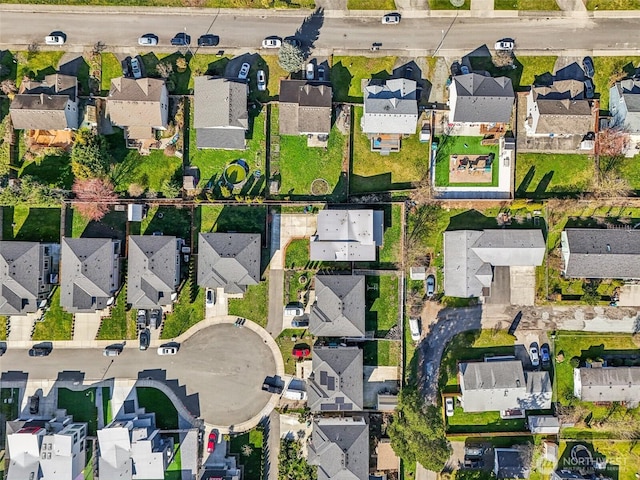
column 41, row 112
column 336, row 383
column 153, row 270
column 88, row 273
column 220, row 112
column 229, row 260
column 601, row 253
column 339, row 307
column 509, row 464
column 479, row 99
column 390, row 106
column 304, row 107
column 20, row 270
column 607, row 384
column 567, row 475
column 340, row 448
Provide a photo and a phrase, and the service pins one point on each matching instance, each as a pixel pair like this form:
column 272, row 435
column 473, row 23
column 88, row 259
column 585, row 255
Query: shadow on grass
column 78, row 67
column 51, row 170
column 372, row 293
column 41, row 225
column 171, row 221
column 370, row 353
column 481, row 60
column 112, row 225
column 471, row 220
column 9, row 64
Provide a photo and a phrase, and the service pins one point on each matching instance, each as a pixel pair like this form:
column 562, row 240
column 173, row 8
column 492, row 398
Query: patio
column 471, row 168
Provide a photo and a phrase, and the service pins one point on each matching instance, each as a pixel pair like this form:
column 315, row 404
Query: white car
column 271, row 42
column 293, row 311
column 448, row 404
column 261, row 80
column 56, row 38
column 244, row 71
column 167, row 350
column 135, row 69
column 311, row 71
column 414, row 327
column 533, row 353
column 391, row 18
column 148, row 40
column 505, row 45
column 211, row 297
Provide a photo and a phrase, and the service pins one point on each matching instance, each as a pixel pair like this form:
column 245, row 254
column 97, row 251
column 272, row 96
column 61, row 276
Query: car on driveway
column 293, row 310
column 414, row 327
column 587, row 66
column 34, row 404
column 181, row 40
column 391, row 18
column 155, row 317
column 588, row 88
column 135, row 68
column 148, row 40
column 272, row 42
column 167, row 350
column 545, row 355
column 244, row 71
column 145, row 339
column 211, row 442
column 534, row 355
column 505, row 45
column 300, row 323
column 208, row 40
column 55, row 38
column 310, row 71
column 141, row 317
column 211, row 297
column 300, row 352
column 322, row 74
column 431, row 285
column 449, row 407
column 261, row 80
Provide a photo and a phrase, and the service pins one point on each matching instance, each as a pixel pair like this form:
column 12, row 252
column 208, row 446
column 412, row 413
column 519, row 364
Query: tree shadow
column 372, row 293
column 171, row 221
column 542, row 186
column 51, row 170
column 112, row 225
column 480, row 60
column 526, row 181
column 341, row 80
column 309, row 32
column 79, row 68
column 40, row 226
column 470, row 220
column 9, row 65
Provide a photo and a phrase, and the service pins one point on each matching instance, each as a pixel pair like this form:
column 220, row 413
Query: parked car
column 587, row 66
column 34, row 404
column 167, row 350
column 112, row 351
column 391, row 18
column 155, row 317
column 545, row 355
column 408, row 72
column 588, row 88
column 431, row 285
column 55, row 38
column 126, row 68
column 473, row 451
column 505, row 45
column 293, row 310
column 473, row 463
column 181, row 40
column 244, row 71
column 310, row 71
column 300, row 323
column 3, row 348
column 211, row 443
column 141, row 318
column 261, row 79
column 293, row 41
column 211, row 297
column 534, row 355
column 455, row 69
column 321, row 74
column 464, row 70
column 300, row 352
column 208, row 40
column 272, row 385
column 414, row 327
column 135, row 68
column 38, row 351
column 148, row 40
column 449, row 407
column 145, row 339
column 272, row 42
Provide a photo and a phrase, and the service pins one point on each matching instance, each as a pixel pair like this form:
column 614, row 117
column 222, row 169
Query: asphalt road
column 222, row 368
column 121, row 29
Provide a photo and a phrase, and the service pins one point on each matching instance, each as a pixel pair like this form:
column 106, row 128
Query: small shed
column 386, row 458
column 425, row 133
column 543, row 424
column 135, row 212
column 387, row 402
column 418, row 273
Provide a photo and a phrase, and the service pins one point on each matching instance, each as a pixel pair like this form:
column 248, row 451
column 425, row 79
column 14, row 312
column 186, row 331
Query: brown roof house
column 51, row 104
column 141, row 108
column 305, row 109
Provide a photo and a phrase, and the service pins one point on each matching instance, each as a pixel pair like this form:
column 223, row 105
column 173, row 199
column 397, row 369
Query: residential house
column 511, row 463
column 472, row 257
column 90, row 273
column 339, row 308
column 607, row 384
column 220, row 113
column 154, row 270
column 49, row 105
column 336, row 381
column 27, row 274
column 229, row 260
column 131, row 448
column 561, row 110
column 624, row 105
column 601, row 253
column 504, row 386
column 390, row 112
column 479, row 104
column 340, row 448
column 141, row 108
column 347, row 235
column 305, row 109
column 39, row 449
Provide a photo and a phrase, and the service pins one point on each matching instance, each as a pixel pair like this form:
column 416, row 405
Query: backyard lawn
column 608, row 69
column 57, row 322
column 629, row 169
column 462, row 422
column 348, row 72
column 233, row 218
column 119, row 325
column 544, row 175
column 82, row 405
column 252, row 463
column 31, row 224
column 297, row 253
column 389, row 256
column 381, row 300
column 254, row 306
column 153, row 400
column 51, row 170
column 112, row 225
column 168, row 220
column 526, row 71
column 382, row 353
column 452, row 145
column 174, row 469
column 299, row 166
column 286, row 344
column 187, row 311
column 372, row 172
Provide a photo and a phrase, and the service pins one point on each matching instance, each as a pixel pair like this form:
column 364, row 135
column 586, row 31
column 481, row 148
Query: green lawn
column 255, row 304
column 446, row 5
column 462, row 422
column 451, row 145
column 82, row 405
column 382, row 353
column 174, row 470
column 111, row 68
column 232, row 218
column 372, row 172
column 286, row 344
column 622, row 456
column 296, row 286
column 546, row 5
column 613, row 4
column 253, row 462
column 37, row 65
column 371, row 5
column 389, row 256
column 300, row 165
column 113, row 225
column 528, row 68
column 168, row 220
column 153, row 400
column 57, row 322
column 3, row 327
column 187, row 311
column 610, row 69
column 348, row 72
column 106, row 405
column 381, row 300
column 545, row 175
column 629, row 169
column 31, row 224
column 51, row 170
column 297, row 253
column 9, row 410
column 119, row 325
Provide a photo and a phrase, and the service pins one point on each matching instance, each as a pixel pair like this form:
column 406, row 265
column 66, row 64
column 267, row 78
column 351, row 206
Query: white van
column 293, row 311
column 414, row 326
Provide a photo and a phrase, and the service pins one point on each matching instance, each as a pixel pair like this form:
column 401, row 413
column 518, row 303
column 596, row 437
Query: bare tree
column 8, row 86
column 94, row 195
column 612, row 142
column 503, row 59
column 164, row 69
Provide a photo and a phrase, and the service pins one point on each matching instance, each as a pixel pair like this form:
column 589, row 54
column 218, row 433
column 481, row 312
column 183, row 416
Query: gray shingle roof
column 479, row 99
column 339, row 308
column 509, row 464
column 137, row 103
column 390, row 106
column 340, row 448
column 601, row 253
column 336, row 384
column 607, row 384
column 304, row 107
column 153, row 270
column 563, row 108
column 220, row 113
column 229, row 260
column 20, row 270
column 88, row 266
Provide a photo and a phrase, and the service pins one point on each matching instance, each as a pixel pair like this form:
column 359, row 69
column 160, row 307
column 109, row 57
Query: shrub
column 575, row 362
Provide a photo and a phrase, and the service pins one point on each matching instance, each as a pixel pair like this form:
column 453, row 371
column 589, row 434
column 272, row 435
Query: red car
column 300, row 352
column 211, row 444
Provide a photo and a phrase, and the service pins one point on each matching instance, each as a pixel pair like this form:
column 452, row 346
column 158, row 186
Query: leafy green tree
column 291, row 57
column 292, row 465
column 417, row 432
column 90, row 156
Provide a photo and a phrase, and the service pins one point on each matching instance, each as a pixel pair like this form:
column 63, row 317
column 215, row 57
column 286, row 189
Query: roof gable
column 480, row 99
column 21, row 268
column 153, row 270
column 339, row 309
column 336, row 383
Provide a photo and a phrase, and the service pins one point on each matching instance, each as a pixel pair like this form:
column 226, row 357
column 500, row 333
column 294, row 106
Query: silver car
column 148, row 40
column 272, row 42
column 135, row 68
column 391, row 19
column 244, row 71
column 262, row 80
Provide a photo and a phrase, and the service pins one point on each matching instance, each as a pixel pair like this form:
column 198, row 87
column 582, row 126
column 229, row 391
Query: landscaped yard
column 112, row 225
column 629, row 169
column 173, row 471
column 286, row 345
column 613, row 4
column 153, row 400
column 544, row 175
column 106, row 405
column 609, row 69
column 382, row 353
column 525, row 73
column 372, row 172
column 111, row 68
column 389, row 256
column 36, row 65
column 168, row 220
column 381, row 300
column 231, row 218
column 298, row 282
column 253, row 462
column 51, row 170
column 187, row 311
column 299, row 165
column 462, row 422
column 9, row 409
column 255, row 305
column 31, row 224
column 526, row 5
column 82, row 405
column 348, row 72
column 297, row 253
column 119, row 325
column 57, row 322
column 461, row 146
